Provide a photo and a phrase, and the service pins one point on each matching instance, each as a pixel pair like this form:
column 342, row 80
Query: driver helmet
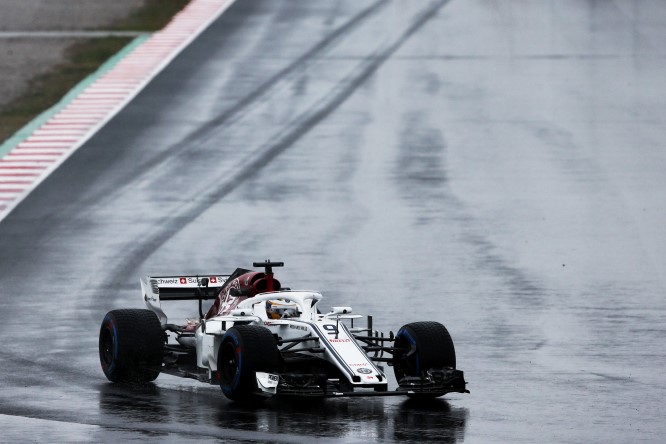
column 279, row 309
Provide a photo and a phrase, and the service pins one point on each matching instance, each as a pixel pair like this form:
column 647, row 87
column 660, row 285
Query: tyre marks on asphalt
column 235, row 112
column 68, row 125
column 258, row 148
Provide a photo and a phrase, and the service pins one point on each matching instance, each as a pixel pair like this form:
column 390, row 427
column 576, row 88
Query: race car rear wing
column 183, row 288
column 180, row 288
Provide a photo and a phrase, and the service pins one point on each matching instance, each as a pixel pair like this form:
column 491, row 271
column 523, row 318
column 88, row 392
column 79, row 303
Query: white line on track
column 45, row 145
column 40, row 153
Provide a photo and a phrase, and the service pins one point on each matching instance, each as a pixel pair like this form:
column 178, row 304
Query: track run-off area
column 43, row 145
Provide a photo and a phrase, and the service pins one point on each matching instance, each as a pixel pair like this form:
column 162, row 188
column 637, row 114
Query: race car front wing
column 435, row 382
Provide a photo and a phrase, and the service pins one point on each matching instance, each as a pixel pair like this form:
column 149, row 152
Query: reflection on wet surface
column 163, row 410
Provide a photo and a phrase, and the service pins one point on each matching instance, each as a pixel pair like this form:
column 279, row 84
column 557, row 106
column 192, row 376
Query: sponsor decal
column 267, row 382
column 298, row 327
column 154, row 287
column 340, row 340
column 364, row 371
column 187, row 280
column 331, row 329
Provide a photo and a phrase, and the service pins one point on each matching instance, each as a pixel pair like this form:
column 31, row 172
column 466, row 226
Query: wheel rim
column 229, row 364
column 404, row 364
column 107, row 347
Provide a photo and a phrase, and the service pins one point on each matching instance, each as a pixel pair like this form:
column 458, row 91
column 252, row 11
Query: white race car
column 259, row 340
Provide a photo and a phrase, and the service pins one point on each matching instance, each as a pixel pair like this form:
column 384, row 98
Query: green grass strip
column 38, row 121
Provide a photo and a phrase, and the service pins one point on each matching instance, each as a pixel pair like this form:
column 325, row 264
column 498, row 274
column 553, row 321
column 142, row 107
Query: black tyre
column 246, row 349
column 423, row 346
column 131, row 345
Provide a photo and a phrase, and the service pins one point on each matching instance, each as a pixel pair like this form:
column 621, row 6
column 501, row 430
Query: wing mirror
column 341, row 310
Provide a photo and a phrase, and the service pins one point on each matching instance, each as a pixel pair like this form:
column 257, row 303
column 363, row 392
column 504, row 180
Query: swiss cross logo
column 213, row 280
column 183, row 281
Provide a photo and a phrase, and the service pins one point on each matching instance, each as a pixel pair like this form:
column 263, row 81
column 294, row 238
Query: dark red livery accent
column 240, row 288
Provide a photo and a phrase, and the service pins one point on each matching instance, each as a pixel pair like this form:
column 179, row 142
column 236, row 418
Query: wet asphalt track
column 495, row 166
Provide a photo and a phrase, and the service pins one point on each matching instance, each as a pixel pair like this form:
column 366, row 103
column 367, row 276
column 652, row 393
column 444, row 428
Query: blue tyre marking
column 112, row 326
column 236, row 343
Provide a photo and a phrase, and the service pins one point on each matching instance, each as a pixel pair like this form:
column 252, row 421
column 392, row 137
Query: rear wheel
column 422, row 346
column 131, row 345
column 245, row 350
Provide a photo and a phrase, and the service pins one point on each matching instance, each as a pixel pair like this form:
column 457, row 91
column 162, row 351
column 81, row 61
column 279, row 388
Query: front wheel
column 131, row 345
column 245, row 350
column 422, row 346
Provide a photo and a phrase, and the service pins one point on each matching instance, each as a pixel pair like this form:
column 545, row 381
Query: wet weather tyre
column 422, row 346
column 246, row 349
column 131, row 345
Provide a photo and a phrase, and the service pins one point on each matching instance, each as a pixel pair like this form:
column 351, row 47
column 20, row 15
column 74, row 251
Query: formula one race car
column 258, row 340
